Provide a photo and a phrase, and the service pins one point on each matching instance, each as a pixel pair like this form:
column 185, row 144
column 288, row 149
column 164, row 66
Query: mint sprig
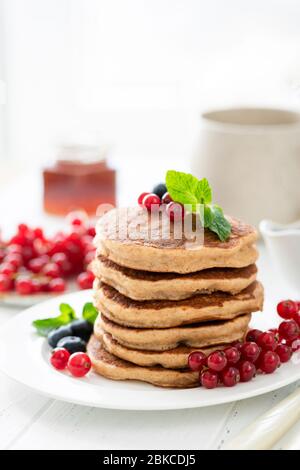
column 67, row 314
column 187, row 189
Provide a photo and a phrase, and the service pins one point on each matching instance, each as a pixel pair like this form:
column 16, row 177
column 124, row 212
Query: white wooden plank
column 19, row 407
column 65, row 426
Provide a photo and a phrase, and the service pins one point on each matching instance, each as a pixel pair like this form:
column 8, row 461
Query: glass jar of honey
column 79, row 179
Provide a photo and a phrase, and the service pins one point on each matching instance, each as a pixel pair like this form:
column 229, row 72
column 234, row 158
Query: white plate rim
column 99, row 392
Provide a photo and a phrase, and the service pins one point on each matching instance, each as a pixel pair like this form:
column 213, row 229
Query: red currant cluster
column 78, row 363
column 152, row 202
column 32, row 263
column 260, row 352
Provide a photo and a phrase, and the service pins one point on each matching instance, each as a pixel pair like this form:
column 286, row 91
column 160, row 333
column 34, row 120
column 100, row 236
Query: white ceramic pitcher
column 251, row 157
column 283, row 245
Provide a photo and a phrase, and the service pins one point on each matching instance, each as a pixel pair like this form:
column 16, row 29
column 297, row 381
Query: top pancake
column 131, row 245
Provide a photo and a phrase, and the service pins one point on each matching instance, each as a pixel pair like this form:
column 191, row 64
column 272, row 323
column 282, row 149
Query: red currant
column 151, row 202
column 166, row 198
column 267, row 341
column 175, row 211
column 237, row 344
column 91, row 231
column 141, row 198
column 89, row 248
column 87, row 242
column 59, row 358
column 6, row 283
column 37, row 286
column 294, row 345
column 75, row 238
column 61, row 260
column 36, row 264
column 2, row 254
column 284, row 352
column 209, row 379
column 196, row 360
column 8, row 269
column 38, row 234
column 232, row 354
column 252, row 335
column 23, row 229
column 289, row 330
column 274, row 331
column 77, row 222
column 77, row 218
column 85, row 280
column 89, row 257
column 269, row 361
column 287, row 308
column 296, row 317
column 217, row 361
column 14, row 249
column 247, row 371
column 57, row 285
column 51, row 270
column 15, row 259
column 79, row 364
column 28, row 253
column 24, row 286
column 250, row 351
column 18, row 240
column 230, row 376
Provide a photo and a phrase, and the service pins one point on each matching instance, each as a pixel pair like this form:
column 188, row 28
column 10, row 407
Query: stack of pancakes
column 160, row 298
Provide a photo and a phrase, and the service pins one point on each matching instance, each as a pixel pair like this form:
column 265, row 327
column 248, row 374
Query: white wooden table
column 31, row 421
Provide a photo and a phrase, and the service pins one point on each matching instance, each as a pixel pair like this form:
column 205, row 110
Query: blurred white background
column 137, row 73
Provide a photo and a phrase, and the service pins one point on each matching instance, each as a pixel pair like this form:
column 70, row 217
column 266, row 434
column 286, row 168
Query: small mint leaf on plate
column 89, row 312
column 44, row 326
column 67, row 310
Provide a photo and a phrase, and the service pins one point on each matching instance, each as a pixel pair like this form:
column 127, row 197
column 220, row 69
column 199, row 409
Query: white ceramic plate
column 24, row 356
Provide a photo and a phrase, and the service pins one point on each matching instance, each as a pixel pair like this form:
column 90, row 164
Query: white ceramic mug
column 251, row 157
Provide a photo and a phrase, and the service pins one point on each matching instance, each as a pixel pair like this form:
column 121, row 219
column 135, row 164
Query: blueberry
column 82, row 328
column 72, row 344
column 55, row 335
column 160, row 190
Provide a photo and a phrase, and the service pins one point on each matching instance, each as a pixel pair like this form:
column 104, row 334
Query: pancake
column 171, row 313
column 198, row 335
column 145, row 285
column 176, row 358
column 110, row 366
column 130, row 244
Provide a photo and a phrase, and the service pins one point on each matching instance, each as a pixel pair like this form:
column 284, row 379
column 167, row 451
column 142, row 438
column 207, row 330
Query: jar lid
column 81, row 153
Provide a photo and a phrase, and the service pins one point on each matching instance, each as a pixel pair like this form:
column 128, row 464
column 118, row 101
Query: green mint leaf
column 182, row 187
column 44, row 326
column 89, row 312
column 203, row 193
column 67, row 311
column 187, row 189
column 215, row 221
